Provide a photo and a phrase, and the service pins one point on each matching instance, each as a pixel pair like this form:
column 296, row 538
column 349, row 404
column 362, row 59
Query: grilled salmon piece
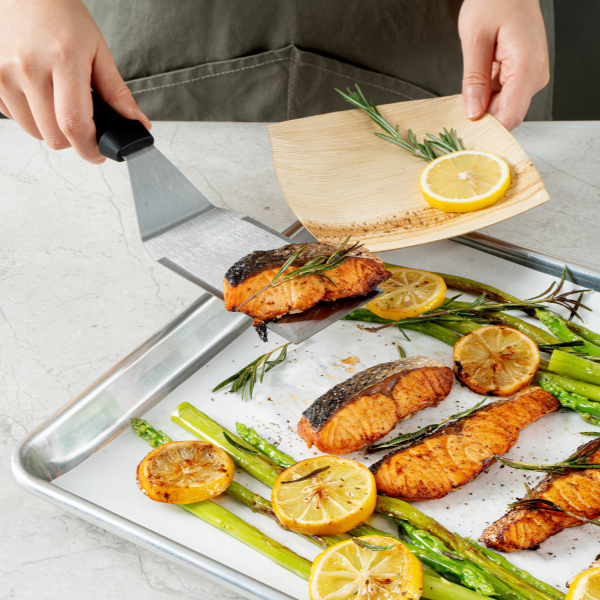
column 367, row 406
column 358, row 275
column 457, row 453
column 575, row 491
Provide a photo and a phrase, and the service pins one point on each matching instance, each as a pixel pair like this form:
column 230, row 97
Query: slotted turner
column 185, row 232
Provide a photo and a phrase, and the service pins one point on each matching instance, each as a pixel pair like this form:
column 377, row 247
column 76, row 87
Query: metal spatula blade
column 182, row 230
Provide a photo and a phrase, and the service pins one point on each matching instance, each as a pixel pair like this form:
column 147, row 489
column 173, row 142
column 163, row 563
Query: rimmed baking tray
column 149, row 374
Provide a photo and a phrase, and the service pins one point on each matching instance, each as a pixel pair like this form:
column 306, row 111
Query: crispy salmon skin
column 457, row 453
column 359, row 274
column 367, row 406
column 575, row 491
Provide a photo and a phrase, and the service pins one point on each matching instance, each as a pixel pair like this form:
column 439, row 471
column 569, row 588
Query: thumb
column 478, row 56
column 107, row 81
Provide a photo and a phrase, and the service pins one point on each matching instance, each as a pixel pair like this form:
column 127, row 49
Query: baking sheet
column 107, row 478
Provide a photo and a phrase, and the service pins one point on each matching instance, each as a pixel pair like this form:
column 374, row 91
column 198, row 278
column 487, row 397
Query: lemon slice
column 185, row 472
column 496, row 361
column 586, row 586
column 324, row 495
column 409, row 293
column 465, row 181
column 348, row 571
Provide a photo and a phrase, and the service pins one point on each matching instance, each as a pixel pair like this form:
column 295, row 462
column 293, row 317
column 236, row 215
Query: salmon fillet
column 367, row 406
column 457, row 453
column 358, row 275
column 575, row 491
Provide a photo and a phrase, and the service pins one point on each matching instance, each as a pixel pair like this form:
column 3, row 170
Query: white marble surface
column 78, row 292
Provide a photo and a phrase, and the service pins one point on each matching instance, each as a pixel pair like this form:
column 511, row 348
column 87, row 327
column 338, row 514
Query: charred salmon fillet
column 575, row 491
column 245, row 282
column 457, row 453
column 367, row 406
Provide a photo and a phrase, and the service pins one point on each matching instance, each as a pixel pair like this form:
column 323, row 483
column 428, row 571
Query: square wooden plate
column 340, row 179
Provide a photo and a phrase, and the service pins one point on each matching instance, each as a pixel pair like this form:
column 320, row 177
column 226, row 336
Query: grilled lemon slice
column 185, row 472
column 495, row 360
column 586, row 586
column 350, row 571
column 324, row 495
column 409, row 293
column 465, row 181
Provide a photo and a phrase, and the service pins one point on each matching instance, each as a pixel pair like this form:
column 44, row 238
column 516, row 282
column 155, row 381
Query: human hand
column 505, row 55
column 51, row 55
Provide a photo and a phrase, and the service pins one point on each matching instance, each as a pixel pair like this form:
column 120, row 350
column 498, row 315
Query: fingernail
column 473, row 107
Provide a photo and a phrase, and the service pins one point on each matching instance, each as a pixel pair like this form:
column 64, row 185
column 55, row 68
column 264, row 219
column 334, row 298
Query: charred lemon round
column 495, row 360
column 185, row 472
column 372, row 567
column 586, row 586
column 324, row 495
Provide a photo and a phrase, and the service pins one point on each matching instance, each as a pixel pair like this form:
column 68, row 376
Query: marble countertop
column 78, row 292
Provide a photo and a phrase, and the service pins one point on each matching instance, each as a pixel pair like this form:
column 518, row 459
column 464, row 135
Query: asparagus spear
column 584, row 332
column 575, row 367
column 272, row 452
column 558, row 326
column 587, row 390
column 575, row 401
column 234, row 526
column 205, row 428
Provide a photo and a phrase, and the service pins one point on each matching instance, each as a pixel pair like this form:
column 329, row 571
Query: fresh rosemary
column 374, row 547
column 249, row 374
column 237, row 446
column 576, row 462
column 315, row 266
column 541, row 504
column 408, row 438
column 309, row 476
column 444, row 143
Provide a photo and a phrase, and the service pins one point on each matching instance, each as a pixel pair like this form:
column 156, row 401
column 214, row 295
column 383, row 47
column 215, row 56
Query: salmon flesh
column 576, row 491
column 367, row 406
column 246, row 285
column 451, row 457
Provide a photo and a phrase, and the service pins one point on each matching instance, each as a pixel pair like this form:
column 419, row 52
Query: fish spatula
column 185, row 232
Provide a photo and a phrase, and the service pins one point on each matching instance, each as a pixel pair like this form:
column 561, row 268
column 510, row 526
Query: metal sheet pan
column 148, row 375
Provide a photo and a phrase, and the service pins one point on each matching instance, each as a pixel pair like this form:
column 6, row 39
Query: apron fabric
column 273, row 60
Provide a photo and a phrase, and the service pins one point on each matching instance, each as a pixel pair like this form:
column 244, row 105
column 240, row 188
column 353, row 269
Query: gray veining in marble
column 78, row 292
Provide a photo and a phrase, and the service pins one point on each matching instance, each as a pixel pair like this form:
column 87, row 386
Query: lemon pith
column 465, row 181
column 333, row 501
column 349, row 571
column 496, row 360
column 185, row 472
column 409, row 293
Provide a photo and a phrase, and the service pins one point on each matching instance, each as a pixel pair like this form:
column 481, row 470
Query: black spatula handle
column 117, row 136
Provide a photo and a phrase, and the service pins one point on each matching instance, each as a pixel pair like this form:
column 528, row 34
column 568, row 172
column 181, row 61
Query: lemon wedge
column 409, row 293
column 495, row 360
column 324, row 495
column 350, row 571
column 465, row 181
column 185, row 472
column 586, row 586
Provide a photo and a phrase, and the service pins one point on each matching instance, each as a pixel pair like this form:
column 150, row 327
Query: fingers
column 478, row 54
column 107, row 81
column 511, row 104
column 17, row 106
column 41, row 102
column 4, row 110
column 74, row 111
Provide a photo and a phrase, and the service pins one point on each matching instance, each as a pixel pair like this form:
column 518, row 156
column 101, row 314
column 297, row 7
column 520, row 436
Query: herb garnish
column 309, row 476
column 249, row 374
column 237, row 446
column 368, row 546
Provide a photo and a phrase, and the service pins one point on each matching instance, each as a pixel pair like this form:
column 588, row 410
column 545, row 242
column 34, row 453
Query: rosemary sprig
column 552, row 347
column 577, row 461
column 309, row 476
column 444, row 143
column 551, row 296
column 373, row 547
column 409, row 438
column 315, row 266
column 541, row 504
column 249, row 374
column 401, row 351
column 237, row 446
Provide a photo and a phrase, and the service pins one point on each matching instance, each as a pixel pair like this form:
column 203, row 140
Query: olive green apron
column 272, row 60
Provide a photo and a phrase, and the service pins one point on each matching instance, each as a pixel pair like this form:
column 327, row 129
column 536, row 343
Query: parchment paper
column 108, row 477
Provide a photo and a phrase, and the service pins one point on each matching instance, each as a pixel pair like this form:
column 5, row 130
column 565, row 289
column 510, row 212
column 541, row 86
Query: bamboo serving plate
column 339, row 179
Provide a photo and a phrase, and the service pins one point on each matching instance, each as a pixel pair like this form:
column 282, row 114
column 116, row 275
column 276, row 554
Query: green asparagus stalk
column 460, row 326
column 250, row 436
column 404, row 511
column 231, row 524
column 574, row 401
column 501, row 560
column 584, row 332
column 558, row 326
column 574, row 367
column 572, row 386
